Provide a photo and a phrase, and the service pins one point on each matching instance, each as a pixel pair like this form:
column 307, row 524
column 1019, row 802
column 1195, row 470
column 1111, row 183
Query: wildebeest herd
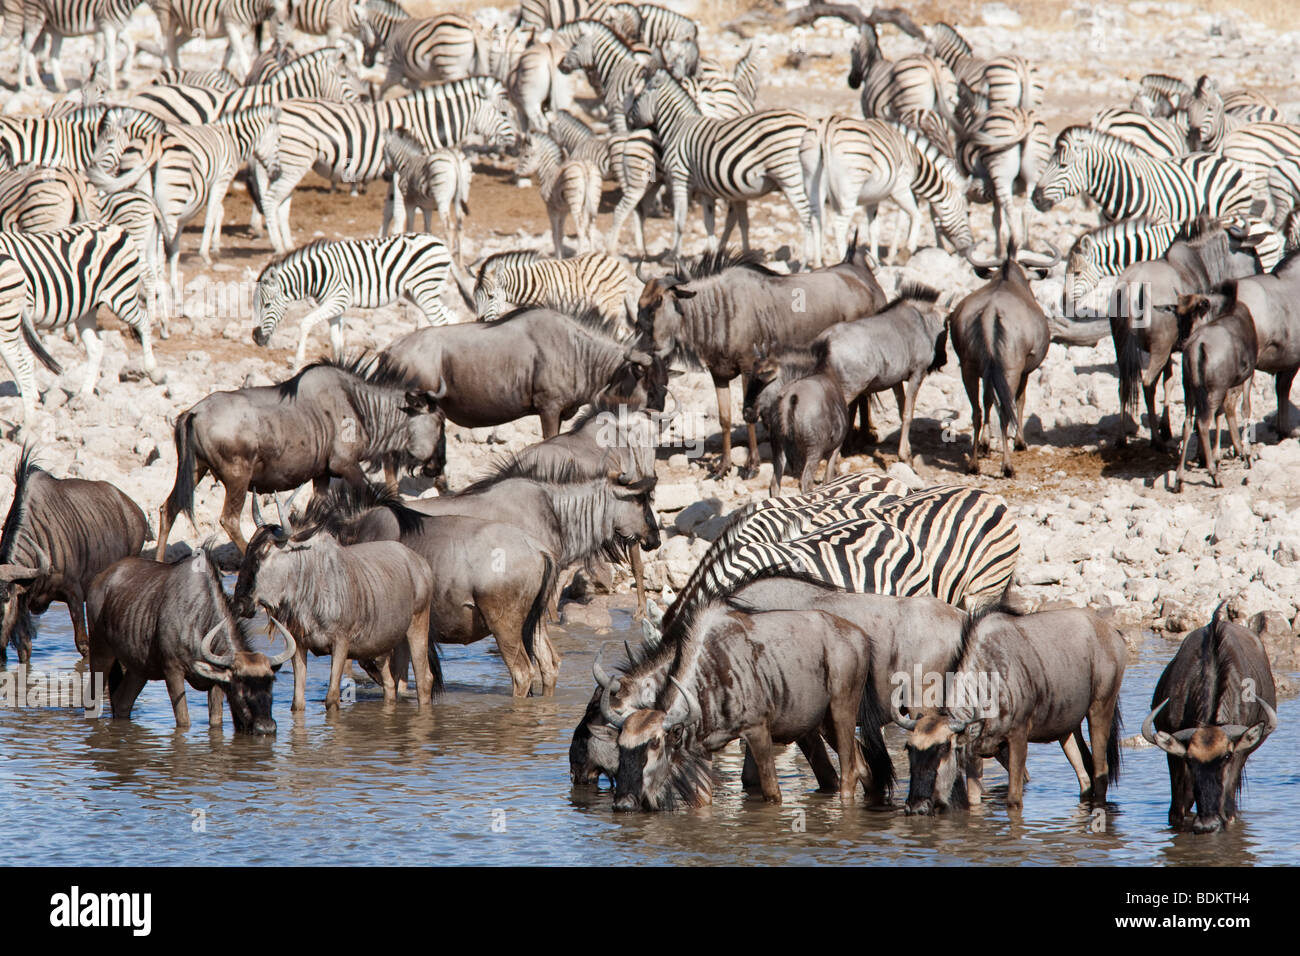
column 814, row 619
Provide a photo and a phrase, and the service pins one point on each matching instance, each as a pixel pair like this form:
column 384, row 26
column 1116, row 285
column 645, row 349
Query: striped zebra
column 1005, row 153
column 1003, row 80
column 1157, row 137
column 71, row 273
column 579, row 141
column 1126, row 182
column 137, row 213
column 636, row 161
column 592, row 283
column 322, row 74
column 1262, row 147
column 736, row 160
column 569, row 188
column 332, row 19
column 346, row 141
column 43, row 199
column 189, row 169
column 1209, row 118
column 541, row 14
column 220, row 80
column 422, row 50
column 1110, row 250
column 66, row 141
column 532, row 76
column 351, row 273
column 181, row 20
column 18, row 342
column 57, row 19
column 956, row 543
column 426, row 180
column 611, row 66
column 1162, row 96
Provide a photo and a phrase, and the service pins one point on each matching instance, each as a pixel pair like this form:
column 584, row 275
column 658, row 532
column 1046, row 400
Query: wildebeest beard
column 689, row 782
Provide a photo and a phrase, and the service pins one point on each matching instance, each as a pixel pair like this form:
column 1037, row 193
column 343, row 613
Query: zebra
column 579, row 141
column 1005, row 152
column 636, row 161
column 1003, row 80
column 351, row 273
column 956, row 543
column 72, row 272
column 179, row 20
column 332, row 19
column 345, row 141
column 106, row 19
column 596, row 282
column 66, row 141
column 1210, row 118
column 430, row 50
column 541, row 14
column 611, row 66
column 18, row 341
column 1109, row 250
column 219, row 80
column 43, row 199
column 425, row 180
column 533, row 78
column 1162, row 96
column 1157, row 137
column 568, row 187
column 736, row 160
column 1127, row 182
column 136, row 212
column 1262, row 147
column 322, row 74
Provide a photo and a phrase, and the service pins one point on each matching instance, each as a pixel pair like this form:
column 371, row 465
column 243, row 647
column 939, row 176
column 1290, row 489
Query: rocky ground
column 1098, row 523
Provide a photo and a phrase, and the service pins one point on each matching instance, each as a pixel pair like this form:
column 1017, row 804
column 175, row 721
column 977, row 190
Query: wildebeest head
column 426, row 439
column 268, row 542
column 640, row 381
column 594, row 749
column 659, row 313
column 1214, row 757
column 1192, row 311
column 15, row 619
column 633, row 513
column 936, row 757
column 651, row 745
column 766, row 371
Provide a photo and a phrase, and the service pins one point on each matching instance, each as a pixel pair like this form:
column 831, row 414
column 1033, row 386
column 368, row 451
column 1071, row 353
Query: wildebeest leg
column 905, row 395
column 778, row 465
column 810, row 462
column 550, row 423
column 1018, row 742
column 1282, row 385
column 722, row 390
column 77, row 611
column 1183, row 449
column 299, row 677
column 167, row 515
column 417, row 639
column 1182, row 796
column 813, row 748
column 1235, row 435
column 1203, row 429
column 236, row 492
column 1166, row 429
column 842, row 717
column 971, row 379
column 548, row 660
column 760, row 745
column 1003, row 430
column 832, row 464
column 974, row 779
column 338, row 660
column 1070, row 746
column 175, row 681
column 216, row 701
column 125, row 693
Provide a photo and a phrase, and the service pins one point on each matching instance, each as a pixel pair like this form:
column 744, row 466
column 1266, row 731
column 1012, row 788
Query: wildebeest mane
column 716, row 262
column 23, row 472
column 374, row 368
column 914, row 292
column 974, row 618
column 343, row 503
column 1211, row 682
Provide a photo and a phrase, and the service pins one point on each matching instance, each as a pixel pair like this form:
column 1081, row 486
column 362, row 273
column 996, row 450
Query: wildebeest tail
column 540, row 602
column 182, row 495
column 1130, row 368
column 1200, row 393
column 940, row 350
column 34, row 343
column 871, row 717
column 994, row 375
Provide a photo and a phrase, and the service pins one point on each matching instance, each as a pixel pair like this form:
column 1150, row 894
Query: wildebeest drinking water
column 726, row 307
column 356, row 601
column 59, row 534
column 326, row 421
column 175, row 623
column 1212, row 708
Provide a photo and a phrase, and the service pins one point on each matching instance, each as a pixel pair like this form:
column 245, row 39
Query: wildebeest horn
column 258, row 520
column 1271, row 715
column 612, row 717
column 979, row 263
column 290, row 647
column 1161, row 739
column 440, row 391
column 907, row 723
column 674, row 715
column 1038, row 260
column 602, row 678
column 15, row 572
column 211, row 656
column 640, row 271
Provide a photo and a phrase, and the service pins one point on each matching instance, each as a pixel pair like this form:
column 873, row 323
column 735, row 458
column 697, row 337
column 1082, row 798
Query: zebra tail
column 38, row 349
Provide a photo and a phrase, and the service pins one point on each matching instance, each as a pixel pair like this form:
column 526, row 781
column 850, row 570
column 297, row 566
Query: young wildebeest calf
column 1000, row 335
column 358, row 601
column 1218, row 365
column 805, row 417
column 772, row 678
column 166, row 622
column 1048, row 671
column 895, row 348
column 1212, row 708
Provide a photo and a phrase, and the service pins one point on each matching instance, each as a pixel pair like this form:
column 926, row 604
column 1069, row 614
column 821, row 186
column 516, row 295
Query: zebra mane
column 23, row 471
column 513, row 257
column 1109, row 141
column 388, row 8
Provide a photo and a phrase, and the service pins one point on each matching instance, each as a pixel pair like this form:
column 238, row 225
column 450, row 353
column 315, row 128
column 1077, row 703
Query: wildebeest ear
column 682, row 292
column 18, row 574
column 204, row 669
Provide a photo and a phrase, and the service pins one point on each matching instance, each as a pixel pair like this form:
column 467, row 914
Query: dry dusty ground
column 1097, row 522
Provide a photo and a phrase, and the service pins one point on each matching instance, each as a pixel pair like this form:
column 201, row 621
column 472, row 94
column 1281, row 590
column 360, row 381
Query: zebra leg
column 56, row 68
column 19, row 360
column 235, row 49
column 435, row 313
column 329, row 310
column 681, row 200
column 89, row 333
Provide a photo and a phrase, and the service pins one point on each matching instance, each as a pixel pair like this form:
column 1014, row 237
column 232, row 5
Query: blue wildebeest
column 1043, row 674
column 59, row 534
column 805, row 417
column 357, row 601
column 1212, row 708
column 490, row 578
column 725, row 307
column 774, row 678
column 529, row 362
column 1000, row 335
column 1219, row 357
column 175, row 623
column 326, row 421
column 893, row 349
column 1274, row 304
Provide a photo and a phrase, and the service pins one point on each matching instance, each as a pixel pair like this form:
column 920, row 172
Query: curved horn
column 598, row 672
column 640, row 271
column 258, row 520
column 674, row 715
column 211, row 656
column 291, row 645
column 978, row 263
column 612, row 717
column 1270, row 716
column 907, row 723
column 1158, row 737
column 440, row 391
column 1038, row 260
